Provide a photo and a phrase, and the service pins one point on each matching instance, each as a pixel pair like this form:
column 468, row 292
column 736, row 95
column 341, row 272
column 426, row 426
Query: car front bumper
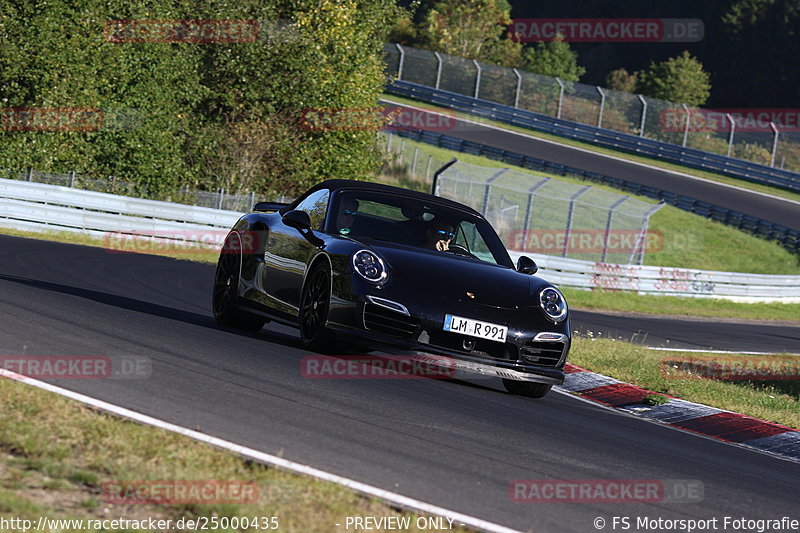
column 420, row 332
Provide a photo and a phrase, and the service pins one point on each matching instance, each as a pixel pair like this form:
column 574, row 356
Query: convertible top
column 337, row 184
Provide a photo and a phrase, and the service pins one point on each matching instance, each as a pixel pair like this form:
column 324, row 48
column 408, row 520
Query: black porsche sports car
column 396, row 267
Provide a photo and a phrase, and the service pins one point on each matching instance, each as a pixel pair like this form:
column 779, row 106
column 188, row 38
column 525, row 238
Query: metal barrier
column 218, row 199
column 626, row 142
column 789, row 238
column 666, row 281
column 41, row 207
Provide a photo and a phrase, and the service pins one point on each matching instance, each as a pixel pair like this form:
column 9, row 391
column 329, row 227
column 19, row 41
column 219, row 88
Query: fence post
column 402, row 60
column 30, row 174
column 489, row 188
column 220, row 192
column 560, row 97
column 644, row 114
column 414, row 164
column 608, row 226
column 519, row 87
column 428, row 168
column 389, row 142
column 477, row 78
column 774, row 143
column 602, row 105
column 686, row 128
column 641, row 238
column 730, row 135
column 71, row 175
column 569, row 217
column 438, row 68
column 528, row 209
column 435, row 183
column 252, row 200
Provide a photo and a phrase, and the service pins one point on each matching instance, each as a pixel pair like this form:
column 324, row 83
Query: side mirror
column 297, row 219
column 526, row 265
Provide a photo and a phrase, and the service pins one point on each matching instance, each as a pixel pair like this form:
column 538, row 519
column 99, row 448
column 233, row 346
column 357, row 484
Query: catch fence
column 768, row 137
column 538, row 214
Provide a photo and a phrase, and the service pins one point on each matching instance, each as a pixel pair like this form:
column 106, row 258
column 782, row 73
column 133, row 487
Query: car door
column 287, row 252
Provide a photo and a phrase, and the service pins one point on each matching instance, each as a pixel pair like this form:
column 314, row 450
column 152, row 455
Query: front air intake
column 542, row 353
column 383, row 320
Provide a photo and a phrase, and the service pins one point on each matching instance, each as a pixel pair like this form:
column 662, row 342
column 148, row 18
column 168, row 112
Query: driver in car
column 348, row 209
column 439, row 235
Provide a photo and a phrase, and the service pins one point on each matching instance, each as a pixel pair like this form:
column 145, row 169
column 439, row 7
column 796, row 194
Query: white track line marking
column 586, row 150
column 262, row 457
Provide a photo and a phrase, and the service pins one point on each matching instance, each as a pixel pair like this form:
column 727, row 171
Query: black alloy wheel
column 226, row 292
column 314, row 307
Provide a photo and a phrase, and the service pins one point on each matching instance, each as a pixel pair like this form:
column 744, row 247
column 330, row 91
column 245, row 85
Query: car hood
column 453, row 276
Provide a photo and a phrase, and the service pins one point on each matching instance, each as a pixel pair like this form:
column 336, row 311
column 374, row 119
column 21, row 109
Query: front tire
column 226, row 293
column 314, row 308
column 526, row 388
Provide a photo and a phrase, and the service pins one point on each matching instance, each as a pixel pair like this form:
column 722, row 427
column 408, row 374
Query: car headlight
column 369, row 266
column 553, row 304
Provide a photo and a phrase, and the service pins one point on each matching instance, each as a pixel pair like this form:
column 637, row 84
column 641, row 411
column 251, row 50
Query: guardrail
column 626, row 142
column 41, row 207
column 789, row 238
column 666, row 281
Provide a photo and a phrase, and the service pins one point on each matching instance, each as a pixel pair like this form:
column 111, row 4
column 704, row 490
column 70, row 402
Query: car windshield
column 413, row 222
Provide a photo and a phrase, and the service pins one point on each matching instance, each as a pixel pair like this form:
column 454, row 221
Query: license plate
column 475, row 328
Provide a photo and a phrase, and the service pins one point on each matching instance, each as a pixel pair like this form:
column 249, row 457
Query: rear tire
column 314, row 307
column 226, row 293
column 526, row 388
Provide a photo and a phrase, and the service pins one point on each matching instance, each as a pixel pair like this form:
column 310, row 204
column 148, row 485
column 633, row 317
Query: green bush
column 752, row 152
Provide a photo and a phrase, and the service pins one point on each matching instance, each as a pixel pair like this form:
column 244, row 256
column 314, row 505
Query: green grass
column 775, row 401
column 775, row 191
column 56, row 454
column 691, row 241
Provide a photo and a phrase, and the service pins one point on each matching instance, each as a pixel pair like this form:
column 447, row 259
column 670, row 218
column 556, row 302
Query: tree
column 679, row 79
column 554, row 58
column 475, row 29
column 622, row 80
column 757, row 63
column 209, row 114
column 404, row 31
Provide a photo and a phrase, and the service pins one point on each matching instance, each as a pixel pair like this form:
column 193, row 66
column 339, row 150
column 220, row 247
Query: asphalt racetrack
column 777, row 210
column 456, row 444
